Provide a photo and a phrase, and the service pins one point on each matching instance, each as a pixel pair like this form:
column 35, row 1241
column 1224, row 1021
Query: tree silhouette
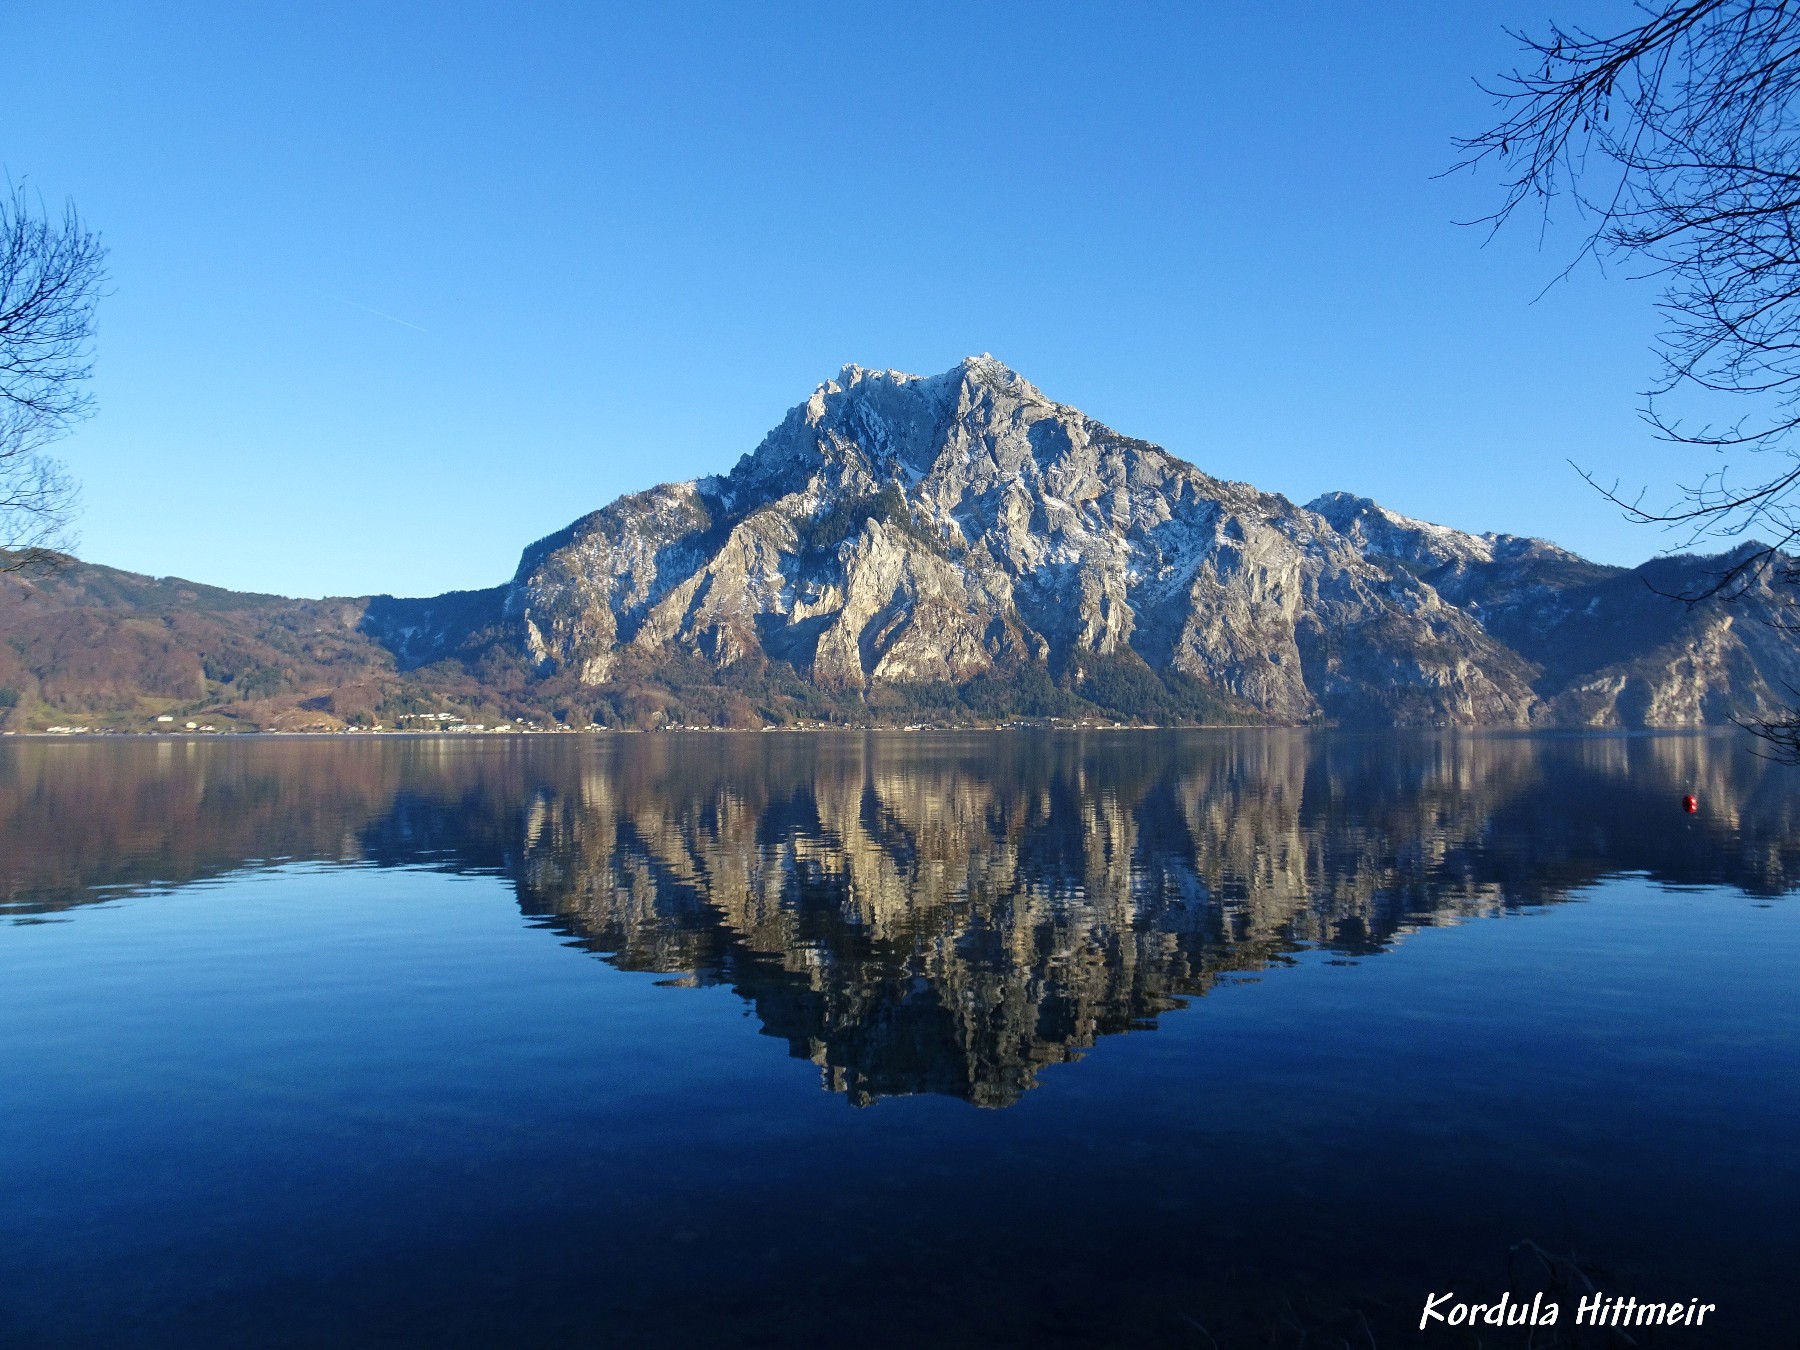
column 51, row 273
column 1677, row 142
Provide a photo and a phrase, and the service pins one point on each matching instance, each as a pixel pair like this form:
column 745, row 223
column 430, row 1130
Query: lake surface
column 1015, row 1039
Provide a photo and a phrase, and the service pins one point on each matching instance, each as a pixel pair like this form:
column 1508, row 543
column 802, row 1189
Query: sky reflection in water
column 306, row 1043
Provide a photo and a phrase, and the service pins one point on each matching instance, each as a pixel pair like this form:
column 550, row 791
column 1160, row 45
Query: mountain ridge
column 954, row 547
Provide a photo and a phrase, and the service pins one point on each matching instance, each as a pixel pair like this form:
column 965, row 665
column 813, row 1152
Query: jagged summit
column 1352, row 514
column 932, row 394
column 1388, row 533
column 898, row 530
column 880, row 423
column 981, row 365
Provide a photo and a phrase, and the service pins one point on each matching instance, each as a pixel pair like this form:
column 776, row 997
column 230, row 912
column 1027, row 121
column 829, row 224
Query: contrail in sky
column 370, row 309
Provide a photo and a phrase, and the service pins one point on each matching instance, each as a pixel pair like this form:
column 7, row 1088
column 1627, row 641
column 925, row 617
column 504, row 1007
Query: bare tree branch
column 1677, row 142
column 51, row 275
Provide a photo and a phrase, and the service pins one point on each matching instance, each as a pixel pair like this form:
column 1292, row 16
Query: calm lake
column 1125, row 1039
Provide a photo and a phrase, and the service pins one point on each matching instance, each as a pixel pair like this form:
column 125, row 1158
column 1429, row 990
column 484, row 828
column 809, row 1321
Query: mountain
column 1610, row 646
column 944, row 548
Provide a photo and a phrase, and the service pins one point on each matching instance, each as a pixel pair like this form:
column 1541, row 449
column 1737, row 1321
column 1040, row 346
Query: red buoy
column 1690, row 803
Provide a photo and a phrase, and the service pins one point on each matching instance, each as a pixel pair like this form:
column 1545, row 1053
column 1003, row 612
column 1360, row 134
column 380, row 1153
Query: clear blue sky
column 400, row 288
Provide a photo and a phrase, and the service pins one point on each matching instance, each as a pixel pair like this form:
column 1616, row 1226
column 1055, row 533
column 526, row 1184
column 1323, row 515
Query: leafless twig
column 51, row 275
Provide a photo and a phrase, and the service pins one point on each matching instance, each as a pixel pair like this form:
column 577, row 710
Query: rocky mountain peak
column 1378, row 530
column 974, row 382
column 899, row 531
column 992, row 373
column 1382, row 532
column 882, row 424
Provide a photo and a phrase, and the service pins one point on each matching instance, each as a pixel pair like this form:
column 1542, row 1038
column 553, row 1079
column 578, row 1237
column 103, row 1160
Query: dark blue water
column 1137, row 1039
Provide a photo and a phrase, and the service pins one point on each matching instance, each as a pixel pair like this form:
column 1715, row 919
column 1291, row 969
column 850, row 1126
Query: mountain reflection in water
column 923, row 913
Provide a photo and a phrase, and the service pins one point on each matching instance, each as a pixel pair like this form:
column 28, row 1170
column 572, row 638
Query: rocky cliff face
column 901, row 530
column 1610, row 646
